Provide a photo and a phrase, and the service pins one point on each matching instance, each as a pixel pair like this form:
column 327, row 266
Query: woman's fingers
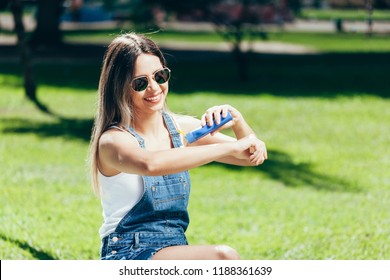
column 258, row 153
column 214, row 114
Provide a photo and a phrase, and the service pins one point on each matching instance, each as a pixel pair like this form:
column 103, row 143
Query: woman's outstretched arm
column 119, row 151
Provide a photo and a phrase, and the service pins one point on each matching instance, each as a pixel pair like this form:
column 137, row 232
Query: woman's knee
column 225, row 252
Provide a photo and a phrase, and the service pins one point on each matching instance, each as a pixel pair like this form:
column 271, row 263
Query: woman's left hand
column 258, row 153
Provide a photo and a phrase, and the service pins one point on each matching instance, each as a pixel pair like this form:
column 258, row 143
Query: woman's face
column 152, row 98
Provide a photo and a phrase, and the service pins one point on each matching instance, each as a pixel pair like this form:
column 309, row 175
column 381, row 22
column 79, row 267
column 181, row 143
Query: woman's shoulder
column 115, row 137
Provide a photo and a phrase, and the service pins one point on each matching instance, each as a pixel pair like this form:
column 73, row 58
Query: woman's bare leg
column 197, row 252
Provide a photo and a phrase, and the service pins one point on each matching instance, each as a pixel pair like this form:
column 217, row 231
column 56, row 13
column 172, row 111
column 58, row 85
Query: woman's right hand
column 214, row 114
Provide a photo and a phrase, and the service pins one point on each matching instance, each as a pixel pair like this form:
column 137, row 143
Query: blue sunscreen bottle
column 203, row 131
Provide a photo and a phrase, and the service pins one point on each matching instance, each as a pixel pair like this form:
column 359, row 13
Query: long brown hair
column 114, row 100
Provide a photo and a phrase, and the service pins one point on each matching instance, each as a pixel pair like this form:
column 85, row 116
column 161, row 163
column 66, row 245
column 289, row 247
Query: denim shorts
column 139, row 245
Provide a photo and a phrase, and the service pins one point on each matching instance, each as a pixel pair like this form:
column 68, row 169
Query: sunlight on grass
column 323, row 194
column 346, row 14
column 324, row 42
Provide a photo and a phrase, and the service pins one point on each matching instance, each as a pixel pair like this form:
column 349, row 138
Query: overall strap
column 139, row 138
column 175, row 135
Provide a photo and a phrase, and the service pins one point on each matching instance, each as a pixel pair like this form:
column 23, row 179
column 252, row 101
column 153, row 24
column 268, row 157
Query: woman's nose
column 153, row 85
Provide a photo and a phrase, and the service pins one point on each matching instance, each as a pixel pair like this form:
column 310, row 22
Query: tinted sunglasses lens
column 140, row 84
column 162, row 76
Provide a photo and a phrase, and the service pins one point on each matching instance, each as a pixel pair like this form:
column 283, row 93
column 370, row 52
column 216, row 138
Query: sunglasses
column 160, row 76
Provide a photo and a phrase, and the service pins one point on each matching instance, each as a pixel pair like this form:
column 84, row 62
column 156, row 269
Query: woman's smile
column 154, row 98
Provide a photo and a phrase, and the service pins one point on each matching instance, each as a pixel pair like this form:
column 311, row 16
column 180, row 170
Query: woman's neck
column 150, row 125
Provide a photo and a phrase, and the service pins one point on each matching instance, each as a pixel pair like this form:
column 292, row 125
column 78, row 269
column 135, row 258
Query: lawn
column 349, row 42
column 324, row 193
column 346, row 14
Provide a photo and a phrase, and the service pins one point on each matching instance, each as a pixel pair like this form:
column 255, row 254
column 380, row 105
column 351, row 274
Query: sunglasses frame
column 153, row 77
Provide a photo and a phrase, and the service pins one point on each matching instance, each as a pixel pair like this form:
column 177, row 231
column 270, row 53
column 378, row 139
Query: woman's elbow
column 149, row 170
column 152, row 167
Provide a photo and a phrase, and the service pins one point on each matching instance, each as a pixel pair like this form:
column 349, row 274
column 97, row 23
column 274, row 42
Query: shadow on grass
column 281, row 167
column 307, row 75
column 311, row 75
column 73, row 129
column 37, row 254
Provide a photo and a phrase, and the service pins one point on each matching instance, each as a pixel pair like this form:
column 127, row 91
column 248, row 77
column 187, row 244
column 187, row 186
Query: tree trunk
column 25, row 55
column 239, row 54
column 240, row 58
column 369, row 8
column 47, row 31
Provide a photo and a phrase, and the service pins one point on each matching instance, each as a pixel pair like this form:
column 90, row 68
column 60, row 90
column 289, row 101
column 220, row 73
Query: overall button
column 114, row 239
column 113, row 252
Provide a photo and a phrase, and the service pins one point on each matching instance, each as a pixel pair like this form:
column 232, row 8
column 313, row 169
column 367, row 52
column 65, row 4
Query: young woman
column 139, row 160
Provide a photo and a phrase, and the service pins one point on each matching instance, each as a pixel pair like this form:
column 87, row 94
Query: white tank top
column 119, row 194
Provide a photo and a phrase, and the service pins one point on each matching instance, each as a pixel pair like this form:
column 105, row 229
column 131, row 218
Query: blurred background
column 310, row 76
column 82, row 28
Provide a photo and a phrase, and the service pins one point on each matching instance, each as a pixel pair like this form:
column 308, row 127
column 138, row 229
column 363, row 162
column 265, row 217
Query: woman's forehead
column 146, row 64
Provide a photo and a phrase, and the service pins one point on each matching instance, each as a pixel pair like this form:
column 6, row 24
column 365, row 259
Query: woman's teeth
column 153, row 98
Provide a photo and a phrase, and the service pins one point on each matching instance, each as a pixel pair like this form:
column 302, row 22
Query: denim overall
column 159, row 219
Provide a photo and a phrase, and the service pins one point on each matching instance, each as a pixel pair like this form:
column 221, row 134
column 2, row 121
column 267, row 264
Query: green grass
column 346, row 14
column 335, row 42
column 324, row 193
column 323, row 42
